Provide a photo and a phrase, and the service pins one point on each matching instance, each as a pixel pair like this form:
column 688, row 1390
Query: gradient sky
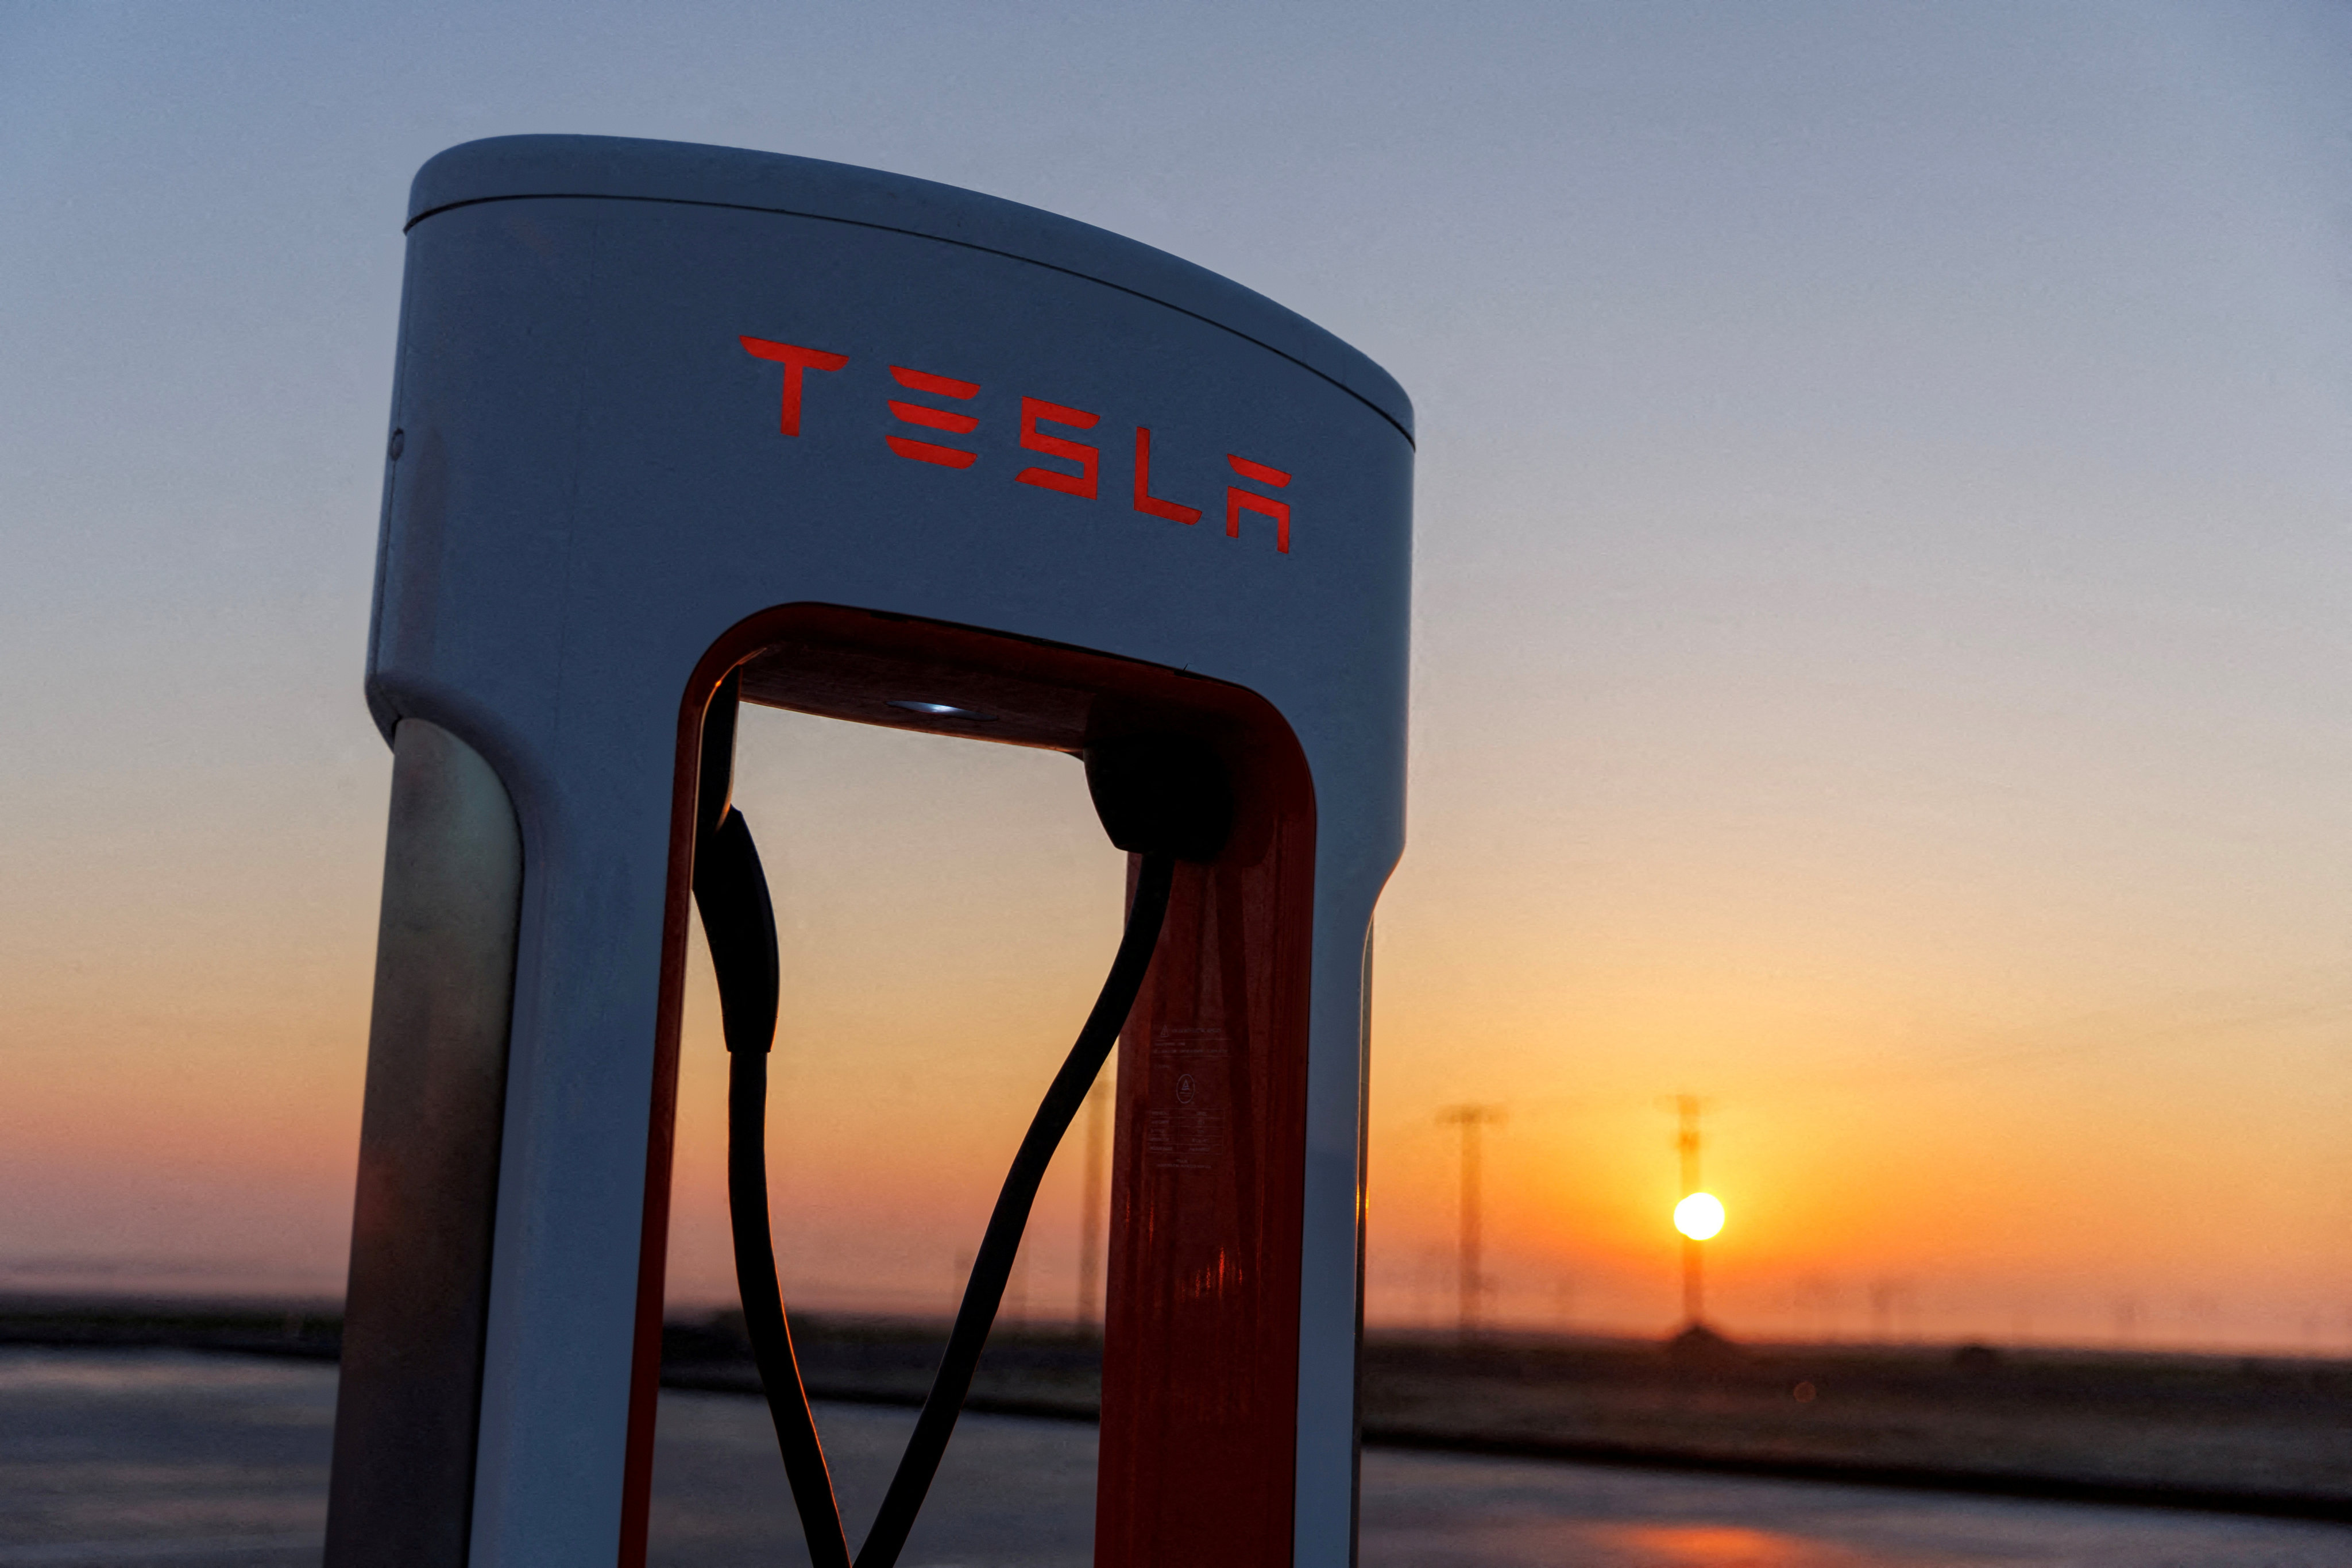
column 1883, row 589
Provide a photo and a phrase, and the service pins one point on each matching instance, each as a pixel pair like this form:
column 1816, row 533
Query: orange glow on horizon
column 1909, row 1150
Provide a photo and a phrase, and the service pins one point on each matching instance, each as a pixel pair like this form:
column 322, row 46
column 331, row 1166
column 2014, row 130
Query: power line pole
column 1090, row 1211
column 1687, row 1110
column 1470, row 1283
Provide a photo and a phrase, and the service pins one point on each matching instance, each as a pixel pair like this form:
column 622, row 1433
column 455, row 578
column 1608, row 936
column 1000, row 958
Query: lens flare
column 1699, row 1215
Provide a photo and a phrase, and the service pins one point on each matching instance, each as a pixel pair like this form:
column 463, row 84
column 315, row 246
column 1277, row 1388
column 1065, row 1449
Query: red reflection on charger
column 1145, row 501
column 795, row 359
column 1239, row 500
column 934, row 418
column 1088, row 459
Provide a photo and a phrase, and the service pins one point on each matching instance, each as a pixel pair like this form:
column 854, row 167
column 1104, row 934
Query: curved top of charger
column 510, row 168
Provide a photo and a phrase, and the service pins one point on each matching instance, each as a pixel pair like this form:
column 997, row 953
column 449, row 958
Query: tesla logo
column 1076, row 469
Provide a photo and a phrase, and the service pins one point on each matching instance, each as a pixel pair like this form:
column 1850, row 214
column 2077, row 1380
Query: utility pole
column 1090, row 1210
column 1687, row 1109
column 1470, row 1283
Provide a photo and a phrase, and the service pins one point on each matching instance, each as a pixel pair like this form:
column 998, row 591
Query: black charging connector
column 1162, row 797
column 1161, row 794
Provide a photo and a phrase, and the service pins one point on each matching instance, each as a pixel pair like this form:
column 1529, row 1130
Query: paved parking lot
column 124, row 1458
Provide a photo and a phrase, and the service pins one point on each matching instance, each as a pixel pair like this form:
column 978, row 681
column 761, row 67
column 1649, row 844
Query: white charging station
column 896, row 453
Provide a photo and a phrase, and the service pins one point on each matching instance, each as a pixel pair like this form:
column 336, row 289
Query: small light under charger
column 945, row 710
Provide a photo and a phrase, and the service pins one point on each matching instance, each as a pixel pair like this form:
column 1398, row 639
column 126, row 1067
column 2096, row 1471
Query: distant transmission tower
column 1470, row 1282
column 1688, row 1108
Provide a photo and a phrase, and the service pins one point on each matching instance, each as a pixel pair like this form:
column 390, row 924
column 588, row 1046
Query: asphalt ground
column 121, row 1458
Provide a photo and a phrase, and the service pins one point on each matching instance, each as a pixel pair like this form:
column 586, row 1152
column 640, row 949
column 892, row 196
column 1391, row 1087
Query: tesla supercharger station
column 896, row 453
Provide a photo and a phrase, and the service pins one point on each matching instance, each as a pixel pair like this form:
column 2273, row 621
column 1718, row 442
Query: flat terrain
column 128, row 1458
column 2224, row 1432
column 2259, row 1437
column 2208, row 1429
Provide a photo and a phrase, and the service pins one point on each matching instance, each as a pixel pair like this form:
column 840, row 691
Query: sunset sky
column 1883, row 593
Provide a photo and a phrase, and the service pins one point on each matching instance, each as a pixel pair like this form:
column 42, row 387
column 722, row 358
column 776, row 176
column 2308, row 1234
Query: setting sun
column 1699, row 1215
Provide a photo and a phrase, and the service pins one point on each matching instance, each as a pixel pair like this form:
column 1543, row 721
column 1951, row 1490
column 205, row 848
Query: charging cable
column 1162, row 798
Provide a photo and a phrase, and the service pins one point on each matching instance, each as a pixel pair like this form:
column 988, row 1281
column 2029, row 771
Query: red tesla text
column 1239, row 500
column 1035, row 412
column 934, row 418
column 1145, row 501
column 1088, row 459
column 795, row 359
